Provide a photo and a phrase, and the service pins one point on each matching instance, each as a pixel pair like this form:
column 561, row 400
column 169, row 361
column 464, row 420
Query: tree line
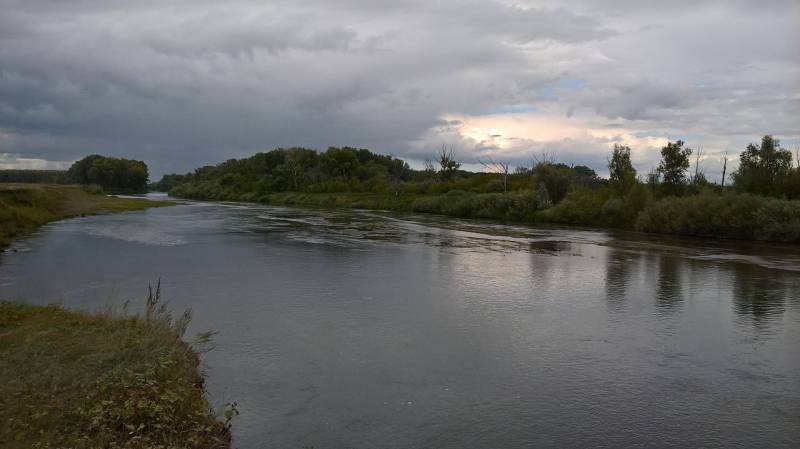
column 360, row 170
column 112, row 174
column 764, row 169
column 672, row 198
column 34, row 176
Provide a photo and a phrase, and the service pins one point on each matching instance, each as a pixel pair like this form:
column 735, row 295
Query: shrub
column 742, row 216
column 580, row 206
column 517, row 206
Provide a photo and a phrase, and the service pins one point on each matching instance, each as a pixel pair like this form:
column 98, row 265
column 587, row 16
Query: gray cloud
column 187, row 83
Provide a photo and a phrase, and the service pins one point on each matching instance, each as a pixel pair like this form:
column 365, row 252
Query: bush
column 580, row 206
column 517, row 206
column 742, row 216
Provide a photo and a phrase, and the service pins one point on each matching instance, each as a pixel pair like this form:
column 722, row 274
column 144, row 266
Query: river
column 358, row 329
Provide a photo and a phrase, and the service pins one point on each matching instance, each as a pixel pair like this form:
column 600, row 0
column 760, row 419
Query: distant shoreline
column 722, row 216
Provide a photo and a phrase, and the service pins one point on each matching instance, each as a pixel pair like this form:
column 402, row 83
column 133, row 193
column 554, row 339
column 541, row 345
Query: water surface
column 352, row 329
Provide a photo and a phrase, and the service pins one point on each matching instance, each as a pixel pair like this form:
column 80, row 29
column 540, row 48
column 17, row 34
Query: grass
column 25, row 207
column 76, row 380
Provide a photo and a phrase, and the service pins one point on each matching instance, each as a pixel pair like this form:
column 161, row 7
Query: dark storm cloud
column 184, row 83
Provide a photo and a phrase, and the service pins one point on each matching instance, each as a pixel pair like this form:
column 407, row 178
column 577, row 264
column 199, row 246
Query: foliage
column 599, row 207
column 673, row 166
column 517, row 206
column 88, row 381
column 764, row 169
column 167, row 183
column 113, row 174
column 556, row 179
column 791, row 187
column 375, row 201
column 580, row 206
column 294, row 169
column 741, row 216
column 622, row 175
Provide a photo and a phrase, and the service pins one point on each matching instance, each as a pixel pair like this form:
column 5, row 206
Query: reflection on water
column 364, row 329
column 760, row 294
column 669, row 287
column 619, row 268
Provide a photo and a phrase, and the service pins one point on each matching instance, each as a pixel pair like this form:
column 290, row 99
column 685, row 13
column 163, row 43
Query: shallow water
column 367, row 330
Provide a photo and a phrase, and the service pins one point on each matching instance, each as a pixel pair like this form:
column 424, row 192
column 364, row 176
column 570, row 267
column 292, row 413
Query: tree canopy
column 673, row 166
column 763, row 169
column 110, row 173
column 622, row 175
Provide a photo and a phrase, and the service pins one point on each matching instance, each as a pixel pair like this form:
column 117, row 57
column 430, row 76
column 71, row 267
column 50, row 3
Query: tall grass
column 104, row 380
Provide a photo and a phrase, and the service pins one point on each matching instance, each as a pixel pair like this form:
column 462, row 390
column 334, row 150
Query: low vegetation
column 513, row 206
column 761, row 203
column 76, row 380
column 742, row 216
column 25, row 207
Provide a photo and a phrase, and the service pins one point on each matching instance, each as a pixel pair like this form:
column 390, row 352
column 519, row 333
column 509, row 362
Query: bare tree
column 697, row 163
column 430, row 169
column 543, row 158
column 447, row 163
column 493, row 166
column 724, row 167
column 797, row 156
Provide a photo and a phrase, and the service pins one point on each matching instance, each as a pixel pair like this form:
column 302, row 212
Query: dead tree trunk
column 724, row 168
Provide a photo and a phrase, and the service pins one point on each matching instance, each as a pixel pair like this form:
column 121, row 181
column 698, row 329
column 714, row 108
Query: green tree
column 339, row 162
column 297, row 166
column 583, row 176
column 622, row 175
column 763, row 169
column 110, row 173
column 555, row 177
column 673, row 166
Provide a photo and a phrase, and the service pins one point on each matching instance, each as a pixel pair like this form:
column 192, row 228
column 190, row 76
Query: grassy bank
column 373, row 201
column 710, row 214
column 75, row 380
column 25, row 207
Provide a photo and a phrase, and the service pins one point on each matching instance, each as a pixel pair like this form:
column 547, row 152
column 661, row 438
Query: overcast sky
column 198, row 82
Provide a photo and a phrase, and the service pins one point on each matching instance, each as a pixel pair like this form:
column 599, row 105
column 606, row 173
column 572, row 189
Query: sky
column 182, row 84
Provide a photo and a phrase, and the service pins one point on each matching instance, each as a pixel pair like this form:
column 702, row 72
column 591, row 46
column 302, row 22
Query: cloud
column 15, row 161
column 189, row 83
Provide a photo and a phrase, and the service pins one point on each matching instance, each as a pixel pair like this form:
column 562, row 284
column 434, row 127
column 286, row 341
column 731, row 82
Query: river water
column 356, row 329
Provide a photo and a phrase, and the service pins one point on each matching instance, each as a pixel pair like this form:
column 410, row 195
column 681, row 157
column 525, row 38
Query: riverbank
column 81, row 380
column 25, row 207
column 709, row 215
